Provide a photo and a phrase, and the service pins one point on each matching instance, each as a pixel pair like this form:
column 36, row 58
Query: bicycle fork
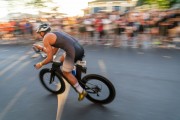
column 52, row 76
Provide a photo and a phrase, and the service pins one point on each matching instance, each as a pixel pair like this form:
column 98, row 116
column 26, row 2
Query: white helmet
column 43, row 28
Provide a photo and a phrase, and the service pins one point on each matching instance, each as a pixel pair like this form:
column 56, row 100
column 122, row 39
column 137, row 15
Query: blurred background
column 108, row 22
column 134, row 43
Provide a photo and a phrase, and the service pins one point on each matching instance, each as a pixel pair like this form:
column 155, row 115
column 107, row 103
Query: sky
column 66, row 6
column 72, row 8
column 3, row 9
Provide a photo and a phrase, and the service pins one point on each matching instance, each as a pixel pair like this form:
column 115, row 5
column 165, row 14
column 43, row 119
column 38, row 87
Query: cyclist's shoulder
column 58, row 33
column 50, row 36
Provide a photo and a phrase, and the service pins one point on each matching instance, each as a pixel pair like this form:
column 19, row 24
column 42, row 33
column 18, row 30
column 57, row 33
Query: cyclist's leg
column 67, row 68
column 79, row 54
column 62, row 57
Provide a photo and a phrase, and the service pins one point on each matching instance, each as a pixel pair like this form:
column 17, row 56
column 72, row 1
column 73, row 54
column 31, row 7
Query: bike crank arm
column 95, row 89
column 88, row 88
column 93, row 92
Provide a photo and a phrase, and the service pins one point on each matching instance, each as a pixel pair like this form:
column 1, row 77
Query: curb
column 16, row 42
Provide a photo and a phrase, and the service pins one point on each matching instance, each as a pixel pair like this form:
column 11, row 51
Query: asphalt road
column 146, row 80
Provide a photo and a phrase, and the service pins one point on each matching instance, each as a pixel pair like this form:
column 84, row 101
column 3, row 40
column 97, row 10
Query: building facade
column 110, row 5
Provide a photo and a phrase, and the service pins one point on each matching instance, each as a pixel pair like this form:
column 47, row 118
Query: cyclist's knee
column 62, row 57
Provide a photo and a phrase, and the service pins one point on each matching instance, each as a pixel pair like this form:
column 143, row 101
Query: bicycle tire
column 105, row 81
column 45, row 71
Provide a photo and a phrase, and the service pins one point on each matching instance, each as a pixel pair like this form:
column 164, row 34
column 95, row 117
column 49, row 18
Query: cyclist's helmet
column 44, row 27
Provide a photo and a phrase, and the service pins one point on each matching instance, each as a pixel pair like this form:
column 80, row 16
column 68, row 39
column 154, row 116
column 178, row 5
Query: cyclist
column 73, row 51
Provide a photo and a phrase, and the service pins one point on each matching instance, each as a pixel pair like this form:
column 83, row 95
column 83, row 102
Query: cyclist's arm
column 39, row 47
column 53, row 49
column 48, row 40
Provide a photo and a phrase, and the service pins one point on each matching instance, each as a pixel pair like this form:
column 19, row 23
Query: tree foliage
column 43, row 4
column 38, row 3
column 173, row 2
column 159, row 3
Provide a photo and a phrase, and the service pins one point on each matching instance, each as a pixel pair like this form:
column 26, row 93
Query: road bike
column 100, row 90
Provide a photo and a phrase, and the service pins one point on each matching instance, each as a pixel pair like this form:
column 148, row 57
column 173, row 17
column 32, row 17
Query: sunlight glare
column 72, row 8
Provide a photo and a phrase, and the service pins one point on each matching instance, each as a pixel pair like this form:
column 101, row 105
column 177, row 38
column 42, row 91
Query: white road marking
column 5, row 60
column 4, row 50
column 11, row 103
column 29, row 52
column 35, row 55
column 168, row 57
column 12, row 65
column 102, row 66
column 140, row 53
column 61, row 100
column 18, row 69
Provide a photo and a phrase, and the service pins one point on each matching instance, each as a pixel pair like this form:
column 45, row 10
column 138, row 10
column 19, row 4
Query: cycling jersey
column 74, row 51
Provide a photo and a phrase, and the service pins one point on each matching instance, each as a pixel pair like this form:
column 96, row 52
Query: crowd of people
column 133, row 28
column 16, row 28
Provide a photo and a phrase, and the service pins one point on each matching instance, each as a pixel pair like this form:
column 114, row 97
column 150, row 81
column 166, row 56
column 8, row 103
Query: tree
column 173, row 2
column 38, row 3
column 160, row 3
column 44, row 4
column 140, row 2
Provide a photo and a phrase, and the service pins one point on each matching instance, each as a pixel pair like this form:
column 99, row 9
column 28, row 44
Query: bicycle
column 53, row 80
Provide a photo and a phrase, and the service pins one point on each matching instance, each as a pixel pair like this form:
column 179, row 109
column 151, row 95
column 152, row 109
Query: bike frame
column 56, row 69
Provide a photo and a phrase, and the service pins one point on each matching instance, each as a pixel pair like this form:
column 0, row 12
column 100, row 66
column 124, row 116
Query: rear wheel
column 56, row 86
column 100, row 90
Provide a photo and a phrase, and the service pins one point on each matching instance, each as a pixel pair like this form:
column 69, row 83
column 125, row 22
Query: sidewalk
column 175, row 45
column 14, row 42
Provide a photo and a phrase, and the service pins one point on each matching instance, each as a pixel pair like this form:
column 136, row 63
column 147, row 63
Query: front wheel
column 52, row 83
column 100, row 90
